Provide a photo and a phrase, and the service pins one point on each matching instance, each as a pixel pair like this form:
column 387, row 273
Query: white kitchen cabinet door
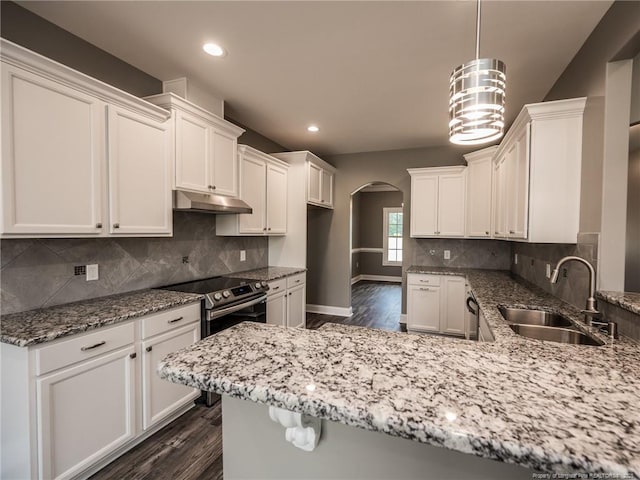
column 277, row 309
column 451, row 200
column 479, row 193
column 520, row 201
column 139, row 175
column 276, row 199
column 424, row 205
column 296, row 307
column 500, row 198
column 314, row 179
column 423, row 308
column 453, row 304
column 326, row 183
column 193, row 146
column 225, row 163
column 160, row 398
column 85, row 412
column 52, row 157
column 253, row 185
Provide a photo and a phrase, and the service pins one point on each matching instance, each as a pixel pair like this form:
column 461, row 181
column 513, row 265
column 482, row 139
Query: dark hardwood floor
column 190, row 448
column 375, row 305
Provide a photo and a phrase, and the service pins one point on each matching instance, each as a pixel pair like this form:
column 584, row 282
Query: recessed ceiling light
column 313, row 128
column 214, row 49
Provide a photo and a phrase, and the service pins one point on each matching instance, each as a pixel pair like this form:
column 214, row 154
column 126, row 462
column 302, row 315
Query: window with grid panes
column 392, row 236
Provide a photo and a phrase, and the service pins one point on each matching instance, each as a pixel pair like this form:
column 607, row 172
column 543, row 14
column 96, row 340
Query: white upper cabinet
column 263, row 186
column 139, row 175
column 438, row 201
column 205, row 147
column 479, row 192
column 537, row 172
column 320, row 177
column 78, row 156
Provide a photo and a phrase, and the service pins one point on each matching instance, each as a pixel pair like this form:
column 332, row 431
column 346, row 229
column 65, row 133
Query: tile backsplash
column 465, row 253
column 534, row 257
column 40, row 272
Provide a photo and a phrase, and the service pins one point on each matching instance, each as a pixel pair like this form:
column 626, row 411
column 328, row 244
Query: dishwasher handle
column 470, row 308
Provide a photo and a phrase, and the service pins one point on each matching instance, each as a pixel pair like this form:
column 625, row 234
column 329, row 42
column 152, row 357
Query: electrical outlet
column 432, row 252
column 185, row 259
column 548, row 270
column 515, row 259
column 447, row 254
column 243, row 255
column 92, row 272
column 80, row 270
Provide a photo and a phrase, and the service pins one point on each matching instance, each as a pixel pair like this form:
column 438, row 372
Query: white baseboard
column 376, row 278
column 330, row 310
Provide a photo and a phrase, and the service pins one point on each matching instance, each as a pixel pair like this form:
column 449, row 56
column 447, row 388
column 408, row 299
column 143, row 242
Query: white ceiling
column 373, row 75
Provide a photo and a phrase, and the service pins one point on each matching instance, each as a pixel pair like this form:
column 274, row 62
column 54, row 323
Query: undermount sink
column 554, row 334
column 523, row 316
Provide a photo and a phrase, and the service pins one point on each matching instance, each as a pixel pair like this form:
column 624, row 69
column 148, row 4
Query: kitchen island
column 539, row 405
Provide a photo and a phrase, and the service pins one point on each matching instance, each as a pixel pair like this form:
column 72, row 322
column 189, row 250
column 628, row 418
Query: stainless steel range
column 228, row 301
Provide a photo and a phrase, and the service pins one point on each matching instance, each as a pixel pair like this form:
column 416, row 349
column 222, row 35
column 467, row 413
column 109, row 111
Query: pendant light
column 476, row 99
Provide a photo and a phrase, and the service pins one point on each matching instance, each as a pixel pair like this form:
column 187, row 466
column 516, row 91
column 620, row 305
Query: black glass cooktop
column 208, row 285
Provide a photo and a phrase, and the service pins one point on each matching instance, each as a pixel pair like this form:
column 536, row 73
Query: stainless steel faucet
column 591, row 310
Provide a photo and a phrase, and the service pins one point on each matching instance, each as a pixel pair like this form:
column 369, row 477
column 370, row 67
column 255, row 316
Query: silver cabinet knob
column 148, row 349
column 116, row 225
column 512, row 231
column 99, row 225
column 210, row 187
column 269, row 228
column 487, row 233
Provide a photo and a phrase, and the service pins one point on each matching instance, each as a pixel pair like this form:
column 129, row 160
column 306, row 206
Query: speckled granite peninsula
column 267, row 274
column 47, row 324
column 627, row 300
column 542, row 405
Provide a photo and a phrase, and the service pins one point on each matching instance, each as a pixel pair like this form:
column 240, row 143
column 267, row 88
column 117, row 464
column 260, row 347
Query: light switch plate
column 447, row 254
column 243, row 255
column 92, row 272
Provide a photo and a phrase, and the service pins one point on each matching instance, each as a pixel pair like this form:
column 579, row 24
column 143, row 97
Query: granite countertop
column 47, row 324
column 268, row 274
column 627, row 300
column 542, row 405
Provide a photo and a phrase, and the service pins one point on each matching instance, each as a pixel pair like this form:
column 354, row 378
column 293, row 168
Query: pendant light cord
column 478, row 32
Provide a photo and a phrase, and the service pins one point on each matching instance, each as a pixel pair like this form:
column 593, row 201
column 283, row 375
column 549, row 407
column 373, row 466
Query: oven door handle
column 213, row 314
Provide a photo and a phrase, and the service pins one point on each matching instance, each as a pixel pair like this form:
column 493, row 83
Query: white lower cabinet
column 277, row 303
column 287, row 301
column 159, row 397
column 85, row 412
column 77, row 401
column 435, row 303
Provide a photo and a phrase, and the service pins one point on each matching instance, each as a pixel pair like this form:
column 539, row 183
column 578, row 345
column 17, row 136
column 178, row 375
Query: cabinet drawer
column 83, row 346
column 295, row 280
column 277, row 286
column 168, row 320
column 421, row 279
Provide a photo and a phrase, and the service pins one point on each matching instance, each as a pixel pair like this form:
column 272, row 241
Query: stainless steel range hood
column 208, row 203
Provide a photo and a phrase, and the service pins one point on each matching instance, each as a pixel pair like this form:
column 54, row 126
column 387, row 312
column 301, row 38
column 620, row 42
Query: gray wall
column 39, row 272
column 367, row 228
column 329, row 249
column 257, row 140
column 35, row 33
